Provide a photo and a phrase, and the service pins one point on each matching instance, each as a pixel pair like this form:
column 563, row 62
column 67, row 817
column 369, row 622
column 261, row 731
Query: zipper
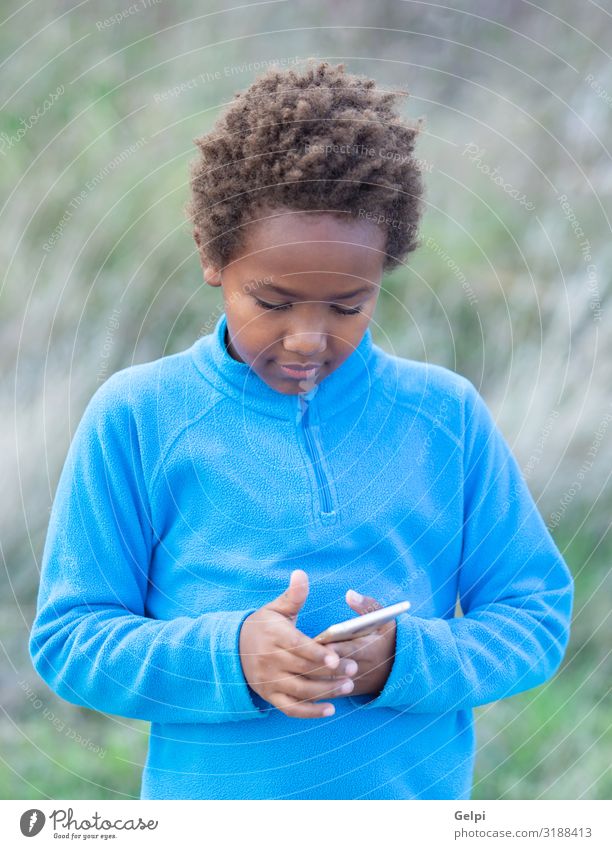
column 327, row 513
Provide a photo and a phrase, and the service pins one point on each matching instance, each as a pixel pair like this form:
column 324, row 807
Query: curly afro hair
column 316, row 140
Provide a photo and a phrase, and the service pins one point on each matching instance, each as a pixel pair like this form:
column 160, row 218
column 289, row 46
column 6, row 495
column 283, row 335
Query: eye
column 272, row 306
column 339, row 310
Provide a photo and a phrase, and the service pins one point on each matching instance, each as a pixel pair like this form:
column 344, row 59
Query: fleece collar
column 354, row 378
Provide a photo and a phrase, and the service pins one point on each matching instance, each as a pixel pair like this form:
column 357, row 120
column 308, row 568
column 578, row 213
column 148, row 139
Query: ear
column 212, row 275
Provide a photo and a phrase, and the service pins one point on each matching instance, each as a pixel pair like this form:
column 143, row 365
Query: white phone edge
column 355, row 626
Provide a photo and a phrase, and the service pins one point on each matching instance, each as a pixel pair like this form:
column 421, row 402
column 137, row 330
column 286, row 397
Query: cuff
column 396, row 692
column 243, row 702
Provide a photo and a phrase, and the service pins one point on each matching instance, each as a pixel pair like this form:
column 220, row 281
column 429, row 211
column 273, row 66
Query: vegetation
column 509, row 288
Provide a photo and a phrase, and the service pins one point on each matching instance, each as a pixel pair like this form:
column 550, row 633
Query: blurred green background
column 510, row 287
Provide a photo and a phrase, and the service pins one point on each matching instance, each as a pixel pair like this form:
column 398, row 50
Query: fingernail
column 351, row 667
column 329, row 711
column 347, row 686
column 332, row 660
column 356, row 597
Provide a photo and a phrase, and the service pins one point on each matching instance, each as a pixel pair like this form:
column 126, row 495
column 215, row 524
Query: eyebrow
column 343, row 297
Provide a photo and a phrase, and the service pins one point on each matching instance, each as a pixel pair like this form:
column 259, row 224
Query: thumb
column 292, row 600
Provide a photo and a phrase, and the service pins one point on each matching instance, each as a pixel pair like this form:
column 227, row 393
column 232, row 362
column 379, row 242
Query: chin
column 291, row 389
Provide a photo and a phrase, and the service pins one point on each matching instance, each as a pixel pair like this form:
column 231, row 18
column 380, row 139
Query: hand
column 283, row 665
column 374, row 653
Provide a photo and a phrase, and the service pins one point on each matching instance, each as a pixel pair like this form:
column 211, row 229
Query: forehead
column 294, row 242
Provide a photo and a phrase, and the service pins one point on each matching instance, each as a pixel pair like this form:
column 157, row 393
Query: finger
column 356, row 648
column 361, row 603
column 290, row 602
column 347, row 668
column 300, row 666
column 307, row 690
column 317, row 653
column 302, row 710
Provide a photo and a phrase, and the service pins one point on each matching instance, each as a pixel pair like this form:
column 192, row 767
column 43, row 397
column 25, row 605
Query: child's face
column 319, row 261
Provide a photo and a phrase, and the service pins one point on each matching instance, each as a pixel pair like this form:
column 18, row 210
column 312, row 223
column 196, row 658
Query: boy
column 222, row 506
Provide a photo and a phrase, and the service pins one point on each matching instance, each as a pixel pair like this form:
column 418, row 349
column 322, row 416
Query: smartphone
column 361, row 625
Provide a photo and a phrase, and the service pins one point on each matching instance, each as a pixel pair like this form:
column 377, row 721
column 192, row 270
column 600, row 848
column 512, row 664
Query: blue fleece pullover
column 190, row 492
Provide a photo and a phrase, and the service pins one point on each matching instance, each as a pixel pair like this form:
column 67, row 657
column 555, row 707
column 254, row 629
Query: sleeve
column 516, row 593
column 91, row 640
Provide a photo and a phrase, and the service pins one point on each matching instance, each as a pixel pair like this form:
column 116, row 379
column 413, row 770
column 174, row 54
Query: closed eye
column 334, row 307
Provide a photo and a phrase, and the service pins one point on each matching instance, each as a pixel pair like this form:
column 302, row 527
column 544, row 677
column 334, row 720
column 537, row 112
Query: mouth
column 300, row 373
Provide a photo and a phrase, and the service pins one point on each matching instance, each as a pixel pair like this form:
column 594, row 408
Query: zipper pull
column 302, row 406
column 304, row 399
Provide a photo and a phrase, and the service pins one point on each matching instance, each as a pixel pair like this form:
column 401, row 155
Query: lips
column 300, row 366
column 300, row 372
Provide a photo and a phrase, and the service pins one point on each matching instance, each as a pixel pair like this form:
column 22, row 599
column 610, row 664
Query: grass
column 39, row 762
column 549, row 743
column 554, row 742
column 128, row 248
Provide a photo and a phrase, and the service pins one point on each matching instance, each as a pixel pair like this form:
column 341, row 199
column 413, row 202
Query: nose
column 307, row 344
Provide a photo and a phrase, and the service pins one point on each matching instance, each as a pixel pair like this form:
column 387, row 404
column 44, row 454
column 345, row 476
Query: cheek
column 349, row 333
column 260, row 340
